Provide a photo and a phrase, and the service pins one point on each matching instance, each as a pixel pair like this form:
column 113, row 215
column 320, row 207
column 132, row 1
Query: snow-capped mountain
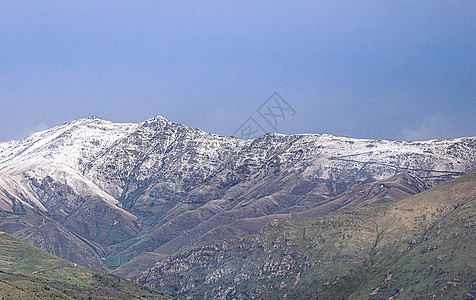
column 109, row 191
column 59, row 153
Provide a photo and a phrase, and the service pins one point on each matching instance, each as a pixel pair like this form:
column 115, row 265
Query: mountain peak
column 156, row 118
column 91, row 119
column 156, row 121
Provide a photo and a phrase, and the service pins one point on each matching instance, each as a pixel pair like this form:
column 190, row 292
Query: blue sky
column 365, row 69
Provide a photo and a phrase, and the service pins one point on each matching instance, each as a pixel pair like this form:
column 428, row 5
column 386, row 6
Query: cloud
column 428, row 128
column 36, row 128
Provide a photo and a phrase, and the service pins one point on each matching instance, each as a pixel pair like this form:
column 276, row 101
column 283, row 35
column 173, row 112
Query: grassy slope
column 137, row 265
column 29, row 273
column 419, row 247
column 415, row 248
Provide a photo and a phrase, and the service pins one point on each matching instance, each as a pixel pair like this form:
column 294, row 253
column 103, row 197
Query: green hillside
column 29, row 273
column 422, row 247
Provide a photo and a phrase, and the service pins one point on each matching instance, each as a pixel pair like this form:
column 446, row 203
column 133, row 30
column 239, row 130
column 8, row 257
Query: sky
column 403, row 70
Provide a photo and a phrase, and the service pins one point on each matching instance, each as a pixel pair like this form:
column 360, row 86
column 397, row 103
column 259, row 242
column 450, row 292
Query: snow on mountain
column 70, row 144
column 59, row 153
column 434, row 156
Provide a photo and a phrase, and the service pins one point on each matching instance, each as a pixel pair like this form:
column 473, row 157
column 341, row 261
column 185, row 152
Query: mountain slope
column 46, row 201
column 419, row 247
column 28, row 273
column 109, row 192
column 395, row 188
column 54, row 239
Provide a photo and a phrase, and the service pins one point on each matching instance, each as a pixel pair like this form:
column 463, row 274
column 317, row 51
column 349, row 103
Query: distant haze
column 364, row 69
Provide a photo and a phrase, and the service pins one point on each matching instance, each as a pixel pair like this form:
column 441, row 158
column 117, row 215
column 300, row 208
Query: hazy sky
column 366, row 69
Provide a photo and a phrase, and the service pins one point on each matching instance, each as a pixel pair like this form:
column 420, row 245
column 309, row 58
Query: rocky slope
column 100, row 193
column 417, row 248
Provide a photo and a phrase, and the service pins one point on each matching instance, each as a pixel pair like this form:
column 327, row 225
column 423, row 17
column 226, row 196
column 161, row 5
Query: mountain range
column 119, row 197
